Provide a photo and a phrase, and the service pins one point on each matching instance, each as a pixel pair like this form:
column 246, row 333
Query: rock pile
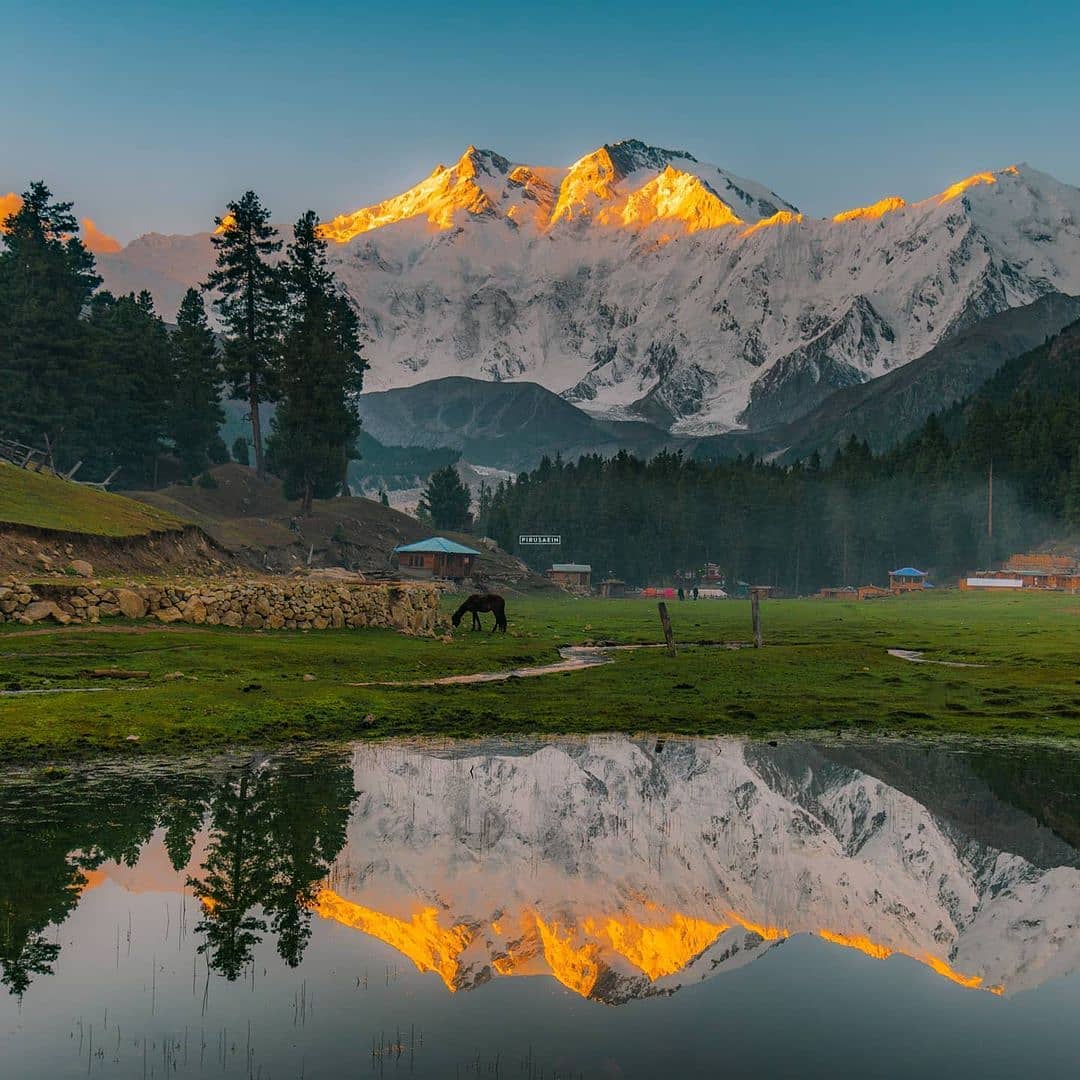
column 256, row 603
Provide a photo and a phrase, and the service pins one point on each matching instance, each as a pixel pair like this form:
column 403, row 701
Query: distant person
column 682, row 595
column 695, row 593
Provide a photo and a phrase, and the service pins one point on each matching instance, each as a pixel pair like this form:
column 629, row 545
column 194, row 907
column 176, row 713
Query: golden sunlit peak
column 96, row 241
column 954, row 191
column 589, row 180
column 92, row 237
column 9, row 204
column 876, row 210
column 672, row 196
column 438, row 199
column 781, row 217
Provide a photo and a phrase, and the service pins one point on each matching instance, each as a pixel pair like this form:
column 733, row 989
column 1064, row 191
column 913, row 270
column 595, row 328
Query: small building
column 991, row 580
column 612, row 588
column 436, row 557
column 1058, row 573
column 571, row 575
column 849, row 592
column 907, row 579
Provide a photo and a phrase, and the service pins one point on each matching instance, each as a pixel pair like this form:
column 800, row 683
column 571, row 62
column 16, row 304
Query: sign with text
column 539, row 540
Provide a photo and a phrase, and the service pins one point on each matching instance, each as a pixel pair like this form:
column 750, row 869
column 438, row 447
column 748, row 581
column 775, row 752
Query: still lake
column 603, row 907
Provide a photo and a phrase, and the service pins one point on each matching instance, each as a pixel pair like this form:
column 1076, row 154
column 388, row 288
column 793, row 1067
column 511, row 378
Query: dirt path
column 574, row 658
column 914, row 656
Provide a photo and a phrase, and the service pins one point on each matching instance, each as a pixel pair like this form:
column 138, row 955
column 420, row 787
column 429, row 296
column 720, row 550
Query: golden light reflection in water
column 575, row 956
column 658, row 950
column 883, row 952
column 429, row 946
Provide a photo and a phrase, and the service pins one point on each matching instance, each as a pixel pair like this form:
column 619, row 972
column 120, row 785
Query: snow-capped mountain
column 622, row 871
column 626, row 868
column 641, row 282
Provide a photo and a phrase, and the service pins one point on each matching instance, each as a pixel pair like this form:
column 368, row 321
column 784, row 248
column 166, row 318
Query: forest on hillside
column 101, row 383
column 848, row 521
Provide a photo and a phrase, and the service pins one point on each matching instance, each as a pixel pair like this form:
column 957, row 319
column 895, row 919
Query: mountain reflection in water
column 621, row 868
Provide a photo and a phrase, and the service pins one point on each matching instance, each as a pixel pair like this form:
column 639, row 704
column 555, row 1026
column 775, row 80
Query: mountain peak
column 474, row 162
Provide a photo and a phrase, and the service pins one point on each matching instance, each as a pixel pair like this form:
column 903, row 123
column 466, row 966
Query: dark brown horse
column 477, row 603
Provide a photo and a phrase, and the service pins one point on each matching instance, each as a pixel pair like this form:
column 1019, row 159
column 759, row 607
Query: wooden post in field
column 665, row 622
column 756, row 593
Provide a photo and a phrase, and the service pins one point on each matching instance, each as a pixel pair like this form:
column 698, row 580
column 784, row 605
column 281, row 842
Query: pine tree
column 196, row 410
column 446, row 500
column 1072, row 495
column 316, row 424
column 240, row 451
column 129, row 354
column 249, row 303
column 46, row 280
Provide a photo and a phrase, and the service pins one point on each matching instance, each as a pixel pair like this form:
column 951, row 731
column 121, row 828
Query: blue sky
column 151, row 115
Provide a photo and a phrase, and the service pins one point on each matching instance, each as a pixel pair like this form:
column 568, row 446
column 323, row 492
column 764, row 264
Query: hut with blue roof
column 435, row 557
column 907, row 579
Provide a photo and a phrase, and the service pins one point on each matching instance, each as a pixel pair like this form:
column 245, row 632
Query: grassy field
column 824, row 668
column 46, row 502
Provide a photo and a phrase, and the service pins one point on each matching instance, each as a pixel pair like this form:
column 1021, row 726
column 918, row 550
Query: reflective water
column 608, row 907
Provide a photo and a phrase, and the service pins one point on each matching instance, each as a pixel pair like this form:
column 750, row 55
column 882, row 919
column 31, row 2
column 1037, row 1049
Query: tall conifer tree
column 446, row 500
column 129, row 359
column 46, row 280
column 196, row 410
column 249, row 303
column 316, row 424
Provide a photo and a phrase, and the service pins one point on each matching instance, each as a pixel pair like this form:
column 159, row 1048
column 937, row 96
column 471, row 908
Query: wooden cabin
column 907, row 579
column 1058, row 573
column 436, row 557
column 612, row 588
column 573, row 576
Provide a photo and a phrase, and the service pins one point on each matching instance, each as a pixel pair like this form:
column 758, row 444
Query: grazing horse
column 477, row 603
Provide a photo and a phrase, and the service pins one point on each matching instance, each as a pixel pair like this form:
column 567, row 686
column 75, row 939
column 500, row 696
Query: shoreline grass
column 825, row 668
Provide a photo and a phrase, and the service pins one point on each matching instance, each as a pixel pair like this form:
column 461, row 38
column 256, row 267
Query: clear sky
column 151, row 115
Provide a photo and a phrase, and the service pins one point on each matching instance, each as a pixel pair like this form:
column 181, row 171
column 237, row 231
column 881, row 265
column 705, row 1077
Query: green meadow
column 824, row 668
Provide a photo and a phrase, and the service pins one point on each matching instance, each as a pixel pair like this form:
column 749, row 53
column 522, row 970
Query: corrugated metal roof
column 436, row 545
column 907, row 571
column 571, row 568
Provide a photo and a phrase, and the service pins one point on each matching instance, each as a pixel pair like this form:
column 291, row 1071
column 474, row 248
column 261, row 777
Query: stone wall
column 260, row 603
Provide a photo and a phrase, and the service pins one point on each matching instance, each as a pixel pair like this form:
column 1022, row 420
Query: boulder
column 169, row 615
column 81, row 567
column 130, row 603
column 45, row 609
column 194, row 610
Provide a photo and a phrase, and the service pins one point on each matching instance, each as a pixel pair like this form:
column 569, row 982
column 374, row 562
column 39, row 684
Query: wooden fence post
column 755, row 614
column 665, row 622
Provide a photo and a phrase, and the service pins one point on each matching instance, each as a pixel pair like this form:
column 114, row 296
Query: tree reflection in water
column 273, row 835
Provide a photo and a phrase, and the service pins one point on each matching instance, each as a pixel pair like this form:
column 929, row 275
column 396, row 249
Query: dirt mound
column 251, row 518
column 27, row 552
